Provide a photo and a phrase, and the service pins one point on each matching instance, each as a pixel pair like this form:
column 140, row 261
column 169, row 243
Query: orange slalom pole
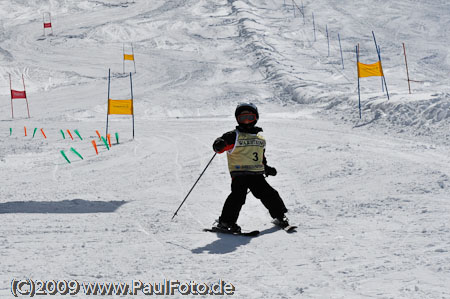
column 70, row 134
column 98, row 134
column 25, row 129
column 109, row 139
column 42, row 131
column 95, row 146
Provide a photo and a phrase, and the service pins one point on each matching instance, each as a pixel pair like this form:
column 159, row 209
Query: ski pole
column 193, row 186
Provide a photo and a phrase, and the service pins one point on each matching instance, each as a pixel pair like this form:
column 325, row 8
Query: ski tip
column 251, row 234
column 288, row 228
column 291, row 229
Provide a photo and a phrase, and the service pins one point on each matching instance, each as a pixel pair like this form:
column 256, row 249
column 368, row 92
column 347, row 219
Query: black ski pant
column 260, row 189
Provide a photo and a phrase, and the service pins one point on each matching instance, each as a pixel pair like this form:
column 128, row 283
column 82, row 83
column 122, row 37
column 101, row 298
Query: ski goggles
column 246, row 118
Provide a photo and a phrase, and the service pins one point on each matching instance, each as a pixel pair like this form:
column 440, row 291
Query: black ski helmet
column 246, row 107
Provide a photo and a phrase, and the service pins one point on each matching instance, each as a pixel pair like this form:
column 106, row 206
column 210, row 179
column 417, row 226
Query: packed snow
column 370, row 195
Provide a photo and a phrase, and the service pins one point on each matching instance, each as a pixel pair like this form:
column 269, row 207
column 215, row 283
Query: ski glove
column 219, row 145
column 270, row 170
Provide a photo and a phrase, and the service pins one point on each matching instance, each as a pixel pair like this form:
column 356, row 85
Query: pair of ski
column 254, row 233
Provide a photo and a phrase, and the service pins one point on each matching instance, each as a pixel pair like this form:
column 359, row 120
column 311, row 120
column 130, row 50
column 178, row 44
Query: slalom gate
column 122, row 107
column 128, row 57
column 370, row 70
column 47, row 21
column 18, row 94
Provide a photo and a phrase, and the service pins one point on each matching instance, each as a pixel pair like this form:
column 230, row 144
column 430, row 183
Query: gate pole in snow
column 357, row 67
column 50, row 19
column 134, row 61
column 10, row 88
column 26, row 100
column 193, row 186
column 314, row 27
column 379, row 58
column 382, row 78
column 132, row 100
column 328, row 40
column 407, row 72
column 340, row 47
column 303, row 12
column 107, row 110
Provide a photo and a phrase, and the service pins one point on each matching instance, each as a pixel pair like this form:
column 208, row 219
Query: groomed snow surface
column 370, row 195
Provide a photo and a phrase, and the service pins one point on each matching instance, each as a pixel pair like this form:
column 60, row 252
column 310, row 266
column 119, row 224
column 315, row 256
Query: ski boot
column 232, row 228
column 282, row 222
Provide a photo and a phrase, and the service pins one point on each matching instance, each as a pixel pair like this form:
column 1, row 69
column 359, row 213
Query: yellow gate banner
column 120, row 107
column 128, row 57
column 369, row 70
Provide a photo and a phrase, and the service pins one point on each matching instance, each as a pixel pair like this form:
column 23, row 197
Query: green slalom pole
column 35, row 129
column 10, row 131
column 78, row 133
column 117, row 138
column 64, row 155
column 105, row 142
column 62, row 133
column 76, row 153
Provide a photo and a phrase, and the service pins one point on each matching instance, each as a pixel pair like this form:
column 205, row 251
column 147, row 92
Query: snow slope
column 370, row 196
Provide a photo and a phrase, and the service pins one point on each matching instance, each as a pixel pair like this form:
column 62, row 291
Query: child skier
column 247, row 165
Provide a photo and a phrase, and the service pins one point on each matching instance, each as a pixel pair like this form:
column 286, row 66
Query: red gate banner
column 17, row 94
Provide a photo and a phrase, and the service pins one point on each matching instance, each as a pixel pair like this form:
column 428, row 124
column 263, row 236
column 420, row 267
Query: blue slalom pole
column 132, row 100
column 359, row 93
column 379, row 57
column 303, row 11
column 314, row 27
column 382, row 81
column 342, row 58
column 328, row 40
column 107, row 110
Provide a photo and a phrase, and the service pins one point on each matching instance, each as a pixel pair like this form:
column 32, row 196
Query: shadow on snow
column 75, row 206
column 229, row 243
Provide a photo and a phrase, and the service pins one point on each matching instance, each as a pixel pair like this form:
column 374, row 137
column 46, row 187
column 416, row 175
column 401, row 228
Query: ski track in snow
column 370, row 196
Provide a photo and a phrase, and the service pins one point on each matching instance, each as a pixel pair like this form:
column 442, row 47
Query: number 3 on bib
column 255, row 154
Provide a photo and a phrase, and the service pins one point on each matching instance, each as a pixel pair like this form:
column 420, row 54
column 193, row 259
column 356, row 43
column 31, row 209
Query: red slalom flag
column 98, row 134
column 95, row 146
column 42, row 131
column 109, row 139
column 70, row 134
column 25, row 129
